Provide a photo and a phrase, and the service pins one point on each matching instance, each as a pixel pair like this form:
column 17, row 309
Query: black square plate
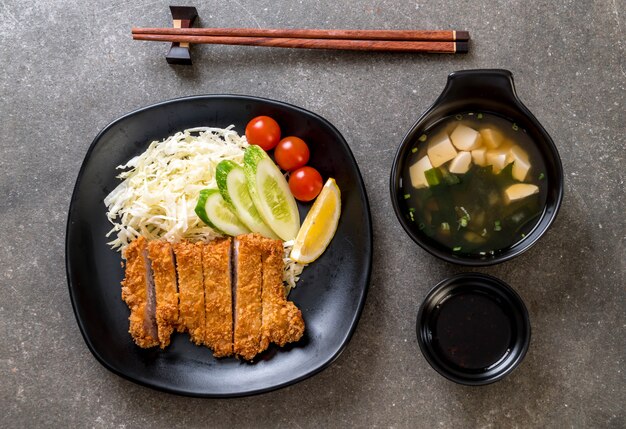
column 331, row 292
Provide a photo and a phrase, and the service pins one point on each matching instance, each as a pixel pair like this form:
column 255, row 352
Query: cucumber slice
column 214, row 211
column 231, row 181
column 270, row 193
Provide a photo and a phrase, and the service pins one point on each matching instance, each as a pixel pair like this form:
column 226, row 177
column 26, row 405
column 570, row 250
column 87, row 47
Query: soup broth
column 475, row 183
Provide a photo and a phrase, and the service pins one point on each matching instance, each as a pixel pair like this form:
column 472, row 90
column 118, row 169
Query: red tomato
column 263, row 131
column 305, row 183
column 291, row 153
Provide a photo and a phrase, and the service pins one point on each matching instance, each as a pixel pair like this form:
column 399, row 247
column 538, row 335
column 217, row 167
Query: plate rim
column 173, row 390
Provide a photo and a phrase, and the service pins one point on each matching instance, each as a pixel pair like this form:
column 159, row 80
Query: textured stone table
column 68, row 68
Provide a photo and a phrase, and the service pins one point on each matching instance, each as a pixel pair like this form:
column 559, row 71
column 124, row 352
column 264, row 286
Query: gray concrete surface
column 70, row 67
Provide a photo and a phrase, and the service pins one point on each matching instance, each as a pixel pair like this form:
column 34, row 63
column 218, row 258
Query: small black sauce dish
column 491, row 92
column 473, row 329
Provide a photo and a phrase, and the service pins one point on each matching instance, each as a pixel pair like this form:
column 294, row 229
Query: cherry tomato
column 305, row 183
column 291, row 153
column 263, row 131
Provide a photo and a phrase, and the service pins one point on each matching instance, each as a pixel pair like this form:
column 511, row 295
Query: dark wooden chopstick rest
column 183, row 17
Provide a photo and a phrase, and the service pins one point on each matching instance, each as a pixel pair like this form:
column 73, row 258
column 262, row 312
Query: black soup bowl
column 490, row 92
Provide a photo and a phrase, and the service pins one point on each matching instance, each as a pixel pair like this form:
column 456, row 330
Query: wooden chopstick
column 450, row 47
column 395, row 35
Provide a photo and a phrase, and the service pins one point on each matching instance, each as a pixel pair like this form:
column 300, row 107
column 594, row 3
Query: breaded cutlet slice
column 190, row 289
column 161, row 255
column 138, row 293
column 248, row 275
column 218, row 334
column 282, row 321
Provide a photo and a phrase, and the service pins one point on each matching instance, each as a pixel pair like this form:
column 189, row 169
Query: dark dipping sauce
column 470, row 330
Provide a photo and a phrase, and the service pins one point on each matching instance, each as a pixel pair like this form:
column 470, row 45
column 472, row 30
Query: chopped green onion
column 523, row 235
column 407, row 196
column 515, row 127
column 456, row 249
column 414, row 150
column 484, row 232
column 497, row 226
column 458, row 117
column 411, row 216
column 482, row 253
column 445, row 226
column 433, row 176
column 471, row 114
column 421, row 226
column 463, row 221
column 479, row 116
column 423, row 138
column 542, row 176
column 411, row 209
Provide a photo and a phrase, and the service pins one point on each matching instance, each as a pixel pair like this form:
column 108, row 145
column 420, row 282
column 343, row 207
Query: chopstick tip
column 462, row 35
column 461, row 47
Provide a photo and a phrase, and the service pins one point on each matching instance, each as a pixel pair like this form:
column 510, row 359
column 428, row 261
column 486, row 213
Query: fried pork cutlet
column 282, row 321
column 190, row 289
column 138, row 293
column 164, row 273
column 228, row 294
column 218, row 326
column 248, row 275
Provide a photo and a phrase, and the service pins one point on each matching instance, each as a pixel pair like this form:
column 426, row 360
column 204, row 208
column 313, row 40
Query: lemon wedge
column 319, row 226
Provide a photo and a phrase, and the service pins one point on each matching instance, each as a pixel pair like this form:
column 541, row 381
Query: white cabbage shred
column 160, row 188
column 293, row 269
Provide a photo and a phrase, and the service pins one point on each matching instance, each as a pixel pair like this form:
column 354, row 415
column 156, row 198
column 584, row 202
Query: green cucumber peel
column 200, row 210
column 213, row 210
column 221, row 176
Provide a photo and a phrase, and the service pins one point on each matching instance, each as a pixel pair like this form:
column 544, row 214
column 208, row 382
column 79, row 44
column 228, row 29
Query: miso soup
column 475, row 183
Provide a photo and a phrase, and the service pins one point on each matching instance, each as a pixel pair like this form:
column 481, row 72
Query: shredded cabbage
column 293, row 269
column 160, row 188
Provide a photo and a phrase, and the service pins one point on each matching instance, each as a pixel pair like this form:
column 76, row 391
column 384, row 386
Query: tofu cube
column 520, row 169
column 519, row 191
column 491, row 137
column 521, row 162
column 479, row 156
column 416, row 171
column 461, row 163
column 497, row 159
column 440, row 150
column 516, row 152
column 465, row 138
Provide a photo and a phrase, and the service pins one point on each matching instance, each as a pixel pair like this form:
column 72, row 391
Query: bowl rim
column 547, row 217
column 460, row 280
